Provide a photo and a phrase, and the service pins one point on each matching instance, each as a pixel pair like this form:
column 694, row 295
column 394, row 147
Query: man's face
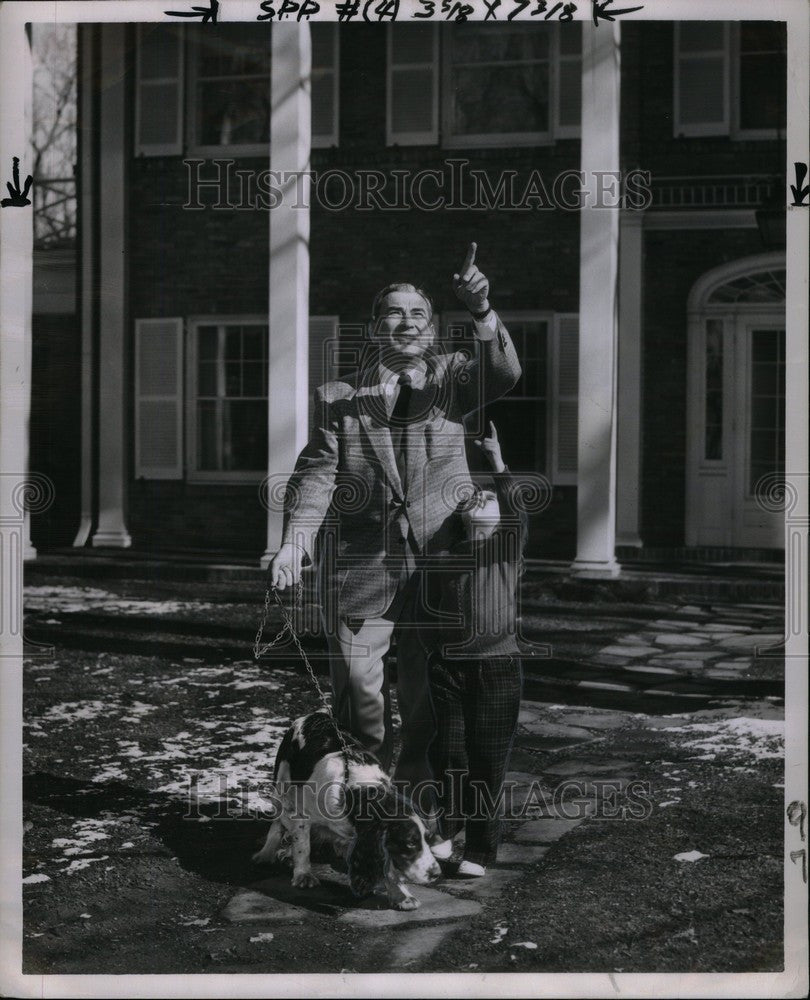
column 404, row 324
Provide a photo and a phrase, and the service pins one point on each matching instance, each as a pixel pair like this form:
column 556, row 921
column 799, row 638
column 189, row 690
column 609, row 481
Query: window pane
column 233, row 343
column 158, row 113
column 159, row 51
column 244, row 443
column 207, row 342
column 207, row 436
column 233, row 378
column 701, row 36
column 501, row 100
column 767, row 431
column 701, row 90
column 493, row 43
column 713, row 440
column 412, row 100
column 233, row 113
column 207, row 378
column 253, row 379
column 254, row 342
column 412, row 43
column 323, row 45
column 570, row 39
column 232, row 49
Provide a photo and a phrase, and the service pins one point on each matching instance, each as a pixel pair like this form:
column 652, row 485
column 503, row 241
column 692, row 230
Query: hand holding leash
column 285, row 568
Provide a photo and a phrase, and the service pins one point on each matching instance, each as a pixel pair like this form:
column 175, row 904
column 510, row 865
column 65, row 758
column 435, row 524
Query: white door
column 758, row 432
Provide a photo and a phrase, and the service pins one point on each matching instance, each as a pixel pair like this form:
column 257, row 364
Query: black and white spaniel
column 324, row 788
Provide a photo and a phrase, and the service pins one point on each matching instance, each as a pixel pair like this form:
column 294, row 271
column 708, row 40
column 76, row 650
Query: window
column 730, row 79
column 227, row 414
column 537, row 420
column 500, row 85
column 231, row 88
column 207, row 88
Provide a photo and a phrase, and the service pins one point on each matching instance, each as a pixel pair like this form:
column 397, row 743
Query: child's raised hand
column 491, row 447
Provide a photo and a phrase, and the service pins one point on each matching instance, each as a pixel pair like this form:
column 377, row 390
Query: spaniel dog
column 324, row 787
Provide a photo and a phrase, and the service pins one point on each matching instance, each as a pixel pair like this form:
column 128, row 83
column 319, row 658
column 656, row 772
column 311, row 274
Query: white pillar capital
column 598, row 305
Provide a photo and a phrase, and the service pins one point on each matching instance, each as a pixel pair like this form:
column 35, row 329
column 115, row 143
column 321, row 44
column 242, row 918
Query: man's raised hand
column 491, row 447
column 470, row 285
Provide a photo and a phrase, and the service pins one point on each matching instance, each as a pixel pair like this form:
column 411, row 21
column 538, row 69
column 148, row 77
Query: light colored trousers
column 360, row 688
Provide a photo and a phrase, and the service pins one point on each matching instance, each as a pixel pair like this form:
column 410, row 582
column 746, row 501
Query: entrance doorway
column 736, row 405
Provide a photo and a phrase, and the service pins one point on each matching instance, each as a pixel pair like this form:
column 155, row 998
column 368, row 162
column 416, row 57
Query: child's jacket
column 470, row 591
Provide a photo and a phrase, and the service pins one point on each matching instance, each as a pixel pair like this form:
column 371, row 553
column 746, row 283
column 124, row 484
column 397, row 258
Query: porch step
column 639, row 581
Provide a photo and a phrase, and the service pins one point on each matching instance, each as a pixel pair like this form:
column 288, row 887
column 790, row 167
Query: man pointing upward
column 392, row 432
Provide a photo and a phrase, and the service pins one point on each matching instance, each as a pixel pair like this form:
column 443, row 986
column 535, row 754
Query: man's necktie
column 399, row 420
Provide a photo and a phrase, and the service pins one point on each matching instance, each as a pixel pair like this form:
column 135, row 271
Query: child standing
column 474, row 666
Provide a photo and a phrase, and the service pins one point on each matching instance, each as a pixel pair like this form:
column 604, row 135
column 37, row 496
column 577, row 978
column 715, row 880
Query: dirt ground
column 127, row 872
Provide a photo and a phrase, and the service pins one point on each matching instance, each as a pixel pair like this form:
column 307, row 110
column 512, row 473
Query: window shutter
column 158, row 398
column 325, row 86
column 701, row 86
column 159, row 91
column 565, row 404
column 323, row 331
column 413, row 85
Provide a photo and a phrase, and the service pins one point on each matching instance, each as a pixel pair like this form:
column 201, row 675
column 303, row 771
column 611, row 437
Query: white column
column 290, row 144
column 628, row 427
column 111, row 528
column 87, row 194
column 598, row 304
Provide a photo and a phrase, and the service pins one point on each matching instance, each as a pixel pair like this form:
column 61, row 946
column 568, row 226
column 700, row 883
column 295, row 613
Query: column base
column 29, row 552
column 112, row 539
column 629, row 541
column 588, row 569
column 266, row 559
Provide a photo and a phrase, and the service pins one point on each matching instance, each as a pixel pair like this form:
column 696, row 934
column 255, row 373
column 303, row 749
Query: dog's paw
column 408, row 903
column 305, row 880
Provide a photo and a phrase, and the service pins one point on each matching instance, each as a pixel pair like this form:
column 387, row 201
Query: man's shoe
column 442, row 849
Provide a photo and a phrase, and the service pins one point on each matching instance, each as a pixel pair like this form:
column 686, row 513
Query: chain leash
column 259, row 650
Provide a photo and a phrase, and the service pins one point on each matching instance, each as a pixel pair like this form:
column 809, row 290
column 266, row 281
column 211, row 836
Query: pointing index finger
column 469, row 260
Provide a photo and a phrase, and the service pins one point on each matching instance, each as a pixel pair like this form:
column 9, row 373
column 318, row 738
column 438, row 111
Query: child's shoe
column 469, row 869
column 442, row 849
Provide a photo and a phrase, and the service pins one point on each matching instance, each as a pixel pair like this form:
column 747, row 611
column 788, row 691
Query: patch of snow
column 689, row 856
column 33, row 880
column 525, row 944
column 262, row 938
column 500, row 934
column 762, row 739
column 670, row 802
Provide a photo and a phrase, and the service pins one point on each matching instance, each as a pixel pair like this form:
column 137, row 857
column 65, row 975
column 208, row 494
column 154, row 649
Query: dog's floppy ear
column 365, row 859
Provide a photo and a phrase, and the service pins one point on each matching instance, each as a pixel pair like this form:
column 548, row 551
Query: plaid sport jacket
column 347, row 492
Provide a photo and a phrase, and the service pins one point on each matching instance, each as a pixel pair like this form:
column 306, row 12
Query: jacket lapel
column 370, row 407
